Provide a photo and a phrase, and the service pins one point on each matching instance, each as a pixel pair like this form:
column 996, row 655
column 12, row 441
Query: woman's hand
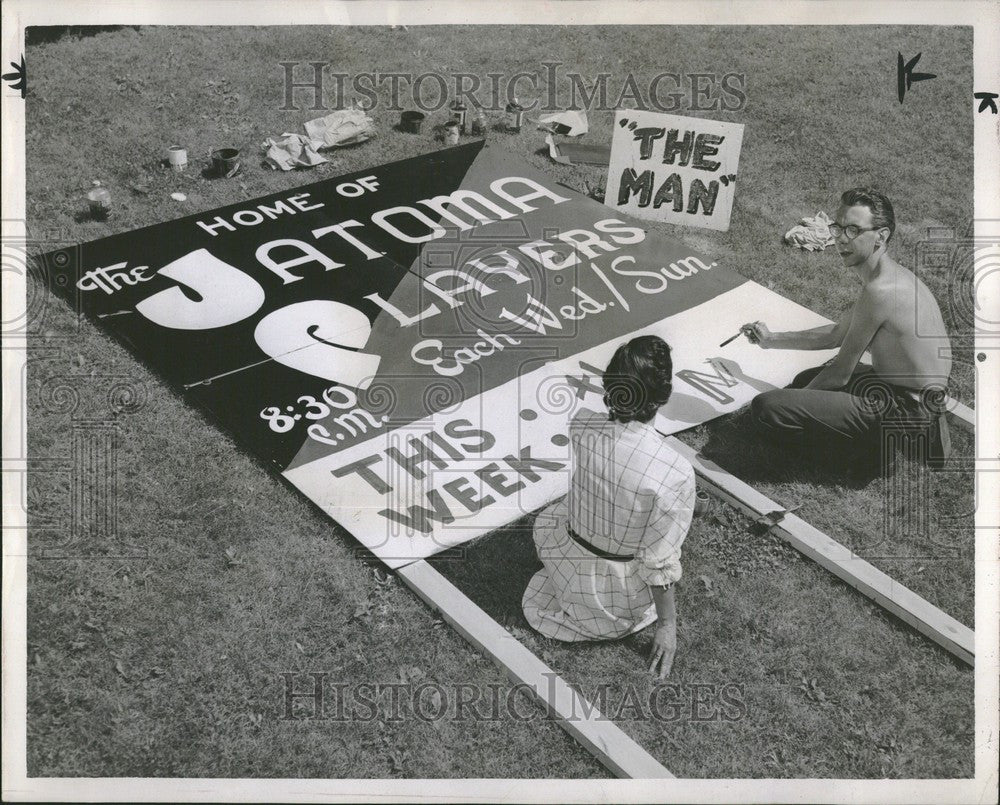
column 757, row 333
column 664, row 648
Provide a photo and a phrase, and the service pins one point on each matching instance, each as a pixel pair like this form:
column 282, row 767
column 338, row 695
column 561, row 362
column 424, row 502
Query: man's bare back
column 910, row 347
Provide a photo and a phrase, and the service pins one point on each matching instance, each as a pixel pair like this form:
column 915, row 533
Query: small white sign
column 681, row 170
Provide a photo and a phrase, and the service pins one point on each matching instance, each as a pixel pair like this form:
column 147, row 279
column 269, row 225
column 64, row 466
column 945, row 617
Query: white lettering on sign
column 261, row 213
column 358, row 188
column 434, row 230
column 226, row 294
column 108, row 279
column 341, row 229
column 321, row 338
column 431, row 352
column 307, row 253
column 461, row 199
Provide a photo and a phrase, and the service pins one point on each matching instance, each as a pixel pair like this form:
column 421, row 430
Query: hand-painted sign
column 681, row 170
column 407, row 344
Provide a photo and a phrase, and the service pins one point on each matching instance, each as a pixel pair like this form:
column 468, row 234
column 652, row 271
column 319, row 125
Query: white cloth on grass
column 343, row 127
column 812, row 234
column 292, row 151
column 630, row 494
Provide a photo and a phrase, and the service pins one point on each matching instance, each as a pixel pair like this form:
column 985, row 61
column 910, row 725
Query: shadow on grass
column 495, row 570
column 43, row 34
column 85, row 216
column 735, row 444
column 507, row 554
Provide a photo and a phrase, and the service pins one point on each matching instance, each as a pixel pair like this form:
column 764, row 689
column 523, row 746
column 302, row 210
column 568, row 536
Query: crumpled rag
column 292, row 151
column 812, row 234
column 343, row 127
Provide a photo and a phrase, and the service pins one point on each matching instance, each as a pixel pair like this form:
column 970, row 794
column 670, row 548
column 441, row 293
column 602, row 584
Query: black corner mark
column 905, row 77
column 987, row 100
column 19, row 78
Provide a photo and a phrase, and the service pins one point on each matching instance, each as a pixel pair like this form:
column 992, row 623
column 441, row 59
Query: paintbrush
column 730, row 340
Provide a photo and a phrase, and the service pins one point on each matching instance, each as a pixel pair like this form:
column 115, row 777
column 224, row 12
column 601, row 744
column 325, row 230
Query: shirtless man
column 842, row 405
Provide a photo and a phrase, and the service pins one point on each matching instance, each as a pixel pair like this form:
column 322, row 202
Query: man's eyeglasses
column 850, row 230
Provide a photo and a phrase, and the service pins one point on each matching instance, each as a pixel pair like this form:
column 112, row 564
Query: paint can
column 451, row 132
column 226, row 161
column 411, row 121
column 460, row 113
column 177, row 156
column 479, row 124
column 702, row 503
column 515, row 116
column 99, row 200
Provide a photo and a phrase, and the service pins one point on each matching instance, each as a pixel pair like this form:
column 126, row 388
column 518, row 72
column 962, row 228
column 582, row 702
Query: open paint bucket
column 177, row 156
column 411, row 121
column 226, row 161
column 460, row 113
column 702, row 502
column 514, row 116
column 99, row 200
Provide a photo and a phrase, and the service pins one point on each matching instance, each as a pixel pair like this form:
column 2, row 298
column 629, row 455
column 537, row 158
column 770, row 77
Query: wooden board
column 919, row 613
column 963, row 412
column 619, row 753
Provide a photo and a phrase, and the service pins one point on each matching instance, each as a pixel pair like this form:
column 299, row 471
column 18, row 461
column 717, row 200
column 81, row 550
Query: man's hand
column 664, row 648
column 757, row 333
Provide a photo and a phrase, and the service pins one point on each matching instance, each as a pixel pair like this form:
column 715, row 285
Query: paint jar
column 451, row 132
column 99, row 200
column 411, row 121
column 514, row 116
column 460, row 114
column 479, row 124
column 177, row 157
column 702, row 503
column 226, row 161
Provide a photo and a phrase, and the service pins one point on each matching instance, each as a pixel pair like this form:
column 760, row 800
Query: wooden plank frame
column 962, row 411
column 584, row 722
column 942, row 628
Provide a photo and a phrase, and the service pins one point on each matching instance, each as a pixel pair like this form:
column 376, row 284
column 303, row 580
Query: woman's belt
column 595, row 550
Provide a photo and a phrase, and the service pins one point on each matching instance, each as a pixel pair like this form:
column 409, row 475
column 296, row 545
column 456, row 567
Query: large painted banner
column 408, row 344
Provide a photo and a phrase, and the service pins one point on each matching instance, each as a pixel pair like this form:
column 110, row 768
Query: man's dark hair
column 638, row 379
column 880, row 206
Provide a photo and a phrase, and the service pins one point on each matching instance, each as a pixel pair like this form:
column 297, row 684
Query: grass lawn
column 159, row 647
column 780, row 671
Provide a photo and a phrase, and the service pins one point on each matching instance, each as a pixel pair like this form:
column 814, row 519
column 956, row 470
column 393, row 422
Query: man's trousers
column 864, row 421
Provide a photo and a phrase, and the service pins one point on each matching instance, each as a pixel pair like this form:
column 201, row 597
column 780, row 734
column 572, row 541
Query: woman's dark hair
column 638, row 379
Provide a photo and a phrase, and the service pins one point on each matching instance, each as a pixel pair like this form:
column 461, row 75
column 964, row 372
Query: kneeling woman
column 612, row 547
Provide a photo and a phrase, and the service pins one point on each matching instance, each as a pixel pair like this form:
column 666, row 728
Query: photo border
column 17, row 15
